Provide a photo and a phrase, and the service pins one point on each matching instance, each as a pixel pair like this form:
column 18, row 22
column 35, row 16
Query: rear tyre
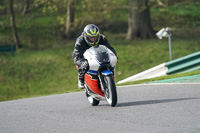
column 92, row 101
column 110, row 92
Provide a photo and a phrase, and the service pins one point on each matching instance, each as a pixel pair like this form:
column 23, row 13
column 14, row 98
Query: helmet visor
column 93, row 39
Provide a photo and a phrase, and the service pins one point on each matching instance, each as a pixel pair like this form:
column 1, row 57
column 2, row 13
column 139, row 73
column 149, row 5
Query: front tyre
column 110, row 92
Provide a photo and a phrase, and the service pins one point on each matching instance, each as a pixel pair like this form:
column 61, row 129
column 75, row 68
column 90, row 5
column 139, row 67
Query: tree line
column 139, row 20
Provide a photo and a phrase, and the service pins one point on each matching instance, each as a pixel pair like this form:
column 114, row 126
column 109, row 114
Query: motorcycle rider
column 90, row 37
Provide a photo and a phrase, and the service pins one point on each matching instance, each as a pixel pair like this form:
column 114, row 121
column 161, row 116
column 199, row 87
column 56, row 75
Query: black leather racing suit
column 81, row 46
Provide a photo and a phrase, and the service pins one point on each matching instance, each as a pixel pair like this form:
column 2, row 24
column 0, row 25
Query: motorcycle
column 99, row 79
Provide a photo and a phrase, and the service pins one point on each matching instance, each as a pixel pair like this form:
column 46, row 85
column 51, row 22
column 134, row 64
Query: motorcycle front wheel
column 110, row 91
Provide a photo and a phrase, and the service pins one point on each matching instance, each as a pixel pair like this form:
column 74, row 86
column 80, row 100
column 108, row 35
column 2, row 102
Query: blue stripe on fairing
column 92, row 71
column 107, row 72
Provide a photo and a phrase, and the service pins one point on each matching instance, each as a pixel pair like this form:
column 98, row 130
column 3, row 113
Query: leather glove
column 85, row 65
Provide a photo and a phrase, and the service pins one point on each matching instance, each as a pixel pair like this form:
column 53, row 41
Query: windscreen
column 97, row 50
column 101, row 54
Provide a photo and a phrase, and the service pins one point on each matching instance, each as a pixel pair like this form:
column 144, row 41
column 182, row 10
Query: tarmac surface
column 151, row 108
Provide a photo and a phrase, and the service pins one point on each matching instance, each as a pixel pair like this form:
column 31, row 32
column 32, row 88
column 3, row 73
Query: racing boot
column 81, row 83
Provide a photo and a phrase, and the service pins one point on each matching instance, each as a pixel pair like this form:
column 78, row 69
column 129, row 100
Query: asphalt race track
column 162, row 108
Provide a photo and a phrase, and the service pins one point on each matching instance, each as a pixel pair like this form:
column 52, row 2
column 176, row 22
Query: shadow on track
column 137, row 103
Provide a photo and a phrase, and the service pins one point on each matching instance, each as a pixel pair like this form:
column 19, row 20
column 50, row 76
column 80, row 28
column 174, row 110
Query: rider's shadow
column 138, row 103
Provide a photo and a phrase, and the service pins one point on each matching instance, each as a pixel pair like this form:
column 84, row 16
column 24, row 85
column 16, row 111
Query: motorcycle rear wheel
column 92, row 101
column 110, row 92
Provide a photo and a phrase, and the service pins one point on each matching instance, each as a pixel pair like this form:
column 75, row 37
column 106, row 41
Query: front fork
column 101, row 76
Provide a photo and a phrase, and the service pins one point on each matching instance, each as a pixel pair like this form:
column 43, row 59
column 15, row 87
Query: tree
column 13, row 25
column 27, row 5
column 139, row 22
column 60, row 5
column 90, row 11
column 69, row 25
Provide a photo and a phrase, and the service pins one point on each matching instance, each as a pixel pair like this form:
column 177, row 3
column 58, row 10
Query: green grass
column 138, row 56
column 52, row 71
column 37, row 73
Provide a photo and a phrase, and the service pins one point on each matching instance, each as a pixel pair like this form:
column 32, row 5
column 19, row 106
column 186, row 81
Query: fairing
column 98, row 57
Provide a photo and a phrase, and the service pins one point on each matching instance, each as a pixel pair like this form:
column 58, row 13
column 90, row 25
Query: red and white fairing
column 97, row 57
